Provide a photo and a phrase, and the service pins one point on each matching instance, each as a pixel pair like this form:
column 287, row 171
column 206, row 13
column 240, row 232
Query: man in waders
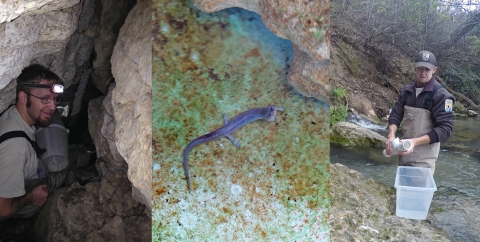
column 425, row 110
column 22, row 181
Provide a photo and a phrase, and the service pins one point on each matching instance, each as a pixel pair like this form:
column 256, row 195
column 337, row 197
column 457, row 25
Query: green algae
column 276, row 185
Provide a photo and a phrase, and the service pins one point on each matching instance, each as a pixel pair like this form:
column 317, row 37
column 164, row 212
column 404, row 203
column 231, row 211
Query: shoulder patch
column 448, row 105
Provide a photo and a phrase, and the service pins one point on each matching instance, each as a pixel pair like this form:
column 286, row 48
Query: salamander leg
column 233, row 140
column 225, row 119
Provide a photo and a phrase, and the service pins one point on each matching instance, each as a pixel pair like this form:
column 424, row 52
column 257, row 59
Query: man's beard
column 43, row 122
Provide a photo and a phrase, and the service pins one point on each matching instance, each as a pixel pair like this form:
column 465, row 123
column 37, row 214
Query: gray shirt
column 18, row 160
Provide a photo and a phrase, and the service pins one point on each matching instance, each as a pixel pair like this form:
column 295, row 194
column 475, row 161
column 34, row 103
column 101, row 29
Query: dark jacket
column 442, row 120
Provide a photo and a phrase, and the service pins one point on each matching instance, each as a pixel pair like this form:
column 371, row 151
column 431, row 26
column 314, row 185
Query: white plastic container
column 54, row 139
column 415, row 187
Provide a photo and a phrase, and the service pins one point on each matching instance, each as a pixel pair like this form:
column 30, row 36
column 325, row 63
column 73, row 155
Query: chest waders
column 418, row 122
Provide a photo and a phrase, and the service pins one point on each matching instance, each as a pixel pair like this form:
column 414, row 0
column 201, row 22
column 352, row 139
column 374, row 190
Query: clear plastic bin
column 415, row 187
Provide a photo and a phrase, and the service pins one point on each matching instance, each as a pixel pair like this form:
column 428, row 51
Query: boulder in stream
column 471, row 113
column 349, row 134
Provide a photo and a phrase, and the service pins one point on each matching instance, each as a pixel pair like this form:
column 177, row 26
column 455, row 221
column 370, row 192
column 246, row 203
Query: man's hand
column 415, row 141
column 11, row 206
column 39, row 195
column 388, row 146
column 391, row 136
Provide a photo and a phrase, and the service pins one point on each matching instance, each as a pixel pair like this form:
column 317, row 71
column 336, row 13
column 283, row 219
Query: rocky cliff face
column 120, row 124
column 132, row 99
column 37, row 29
column 62, row 36
column 11, row 10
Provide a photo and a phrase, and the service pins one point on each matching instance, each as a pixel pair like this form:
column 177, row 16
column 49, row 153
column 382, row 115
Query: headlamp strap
column 51, row 87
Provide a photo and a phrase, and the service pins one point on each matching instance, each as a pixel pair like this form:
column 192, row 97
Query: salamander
column 228, row 128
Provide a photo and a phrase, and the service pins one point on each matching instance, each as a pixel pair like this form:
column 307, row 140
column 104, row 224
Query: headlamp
column 55, row 88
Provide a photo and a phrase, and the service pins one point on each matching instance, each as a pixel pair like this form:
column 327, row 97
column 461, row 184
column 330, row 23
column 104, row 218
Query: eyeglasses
column 46, row 100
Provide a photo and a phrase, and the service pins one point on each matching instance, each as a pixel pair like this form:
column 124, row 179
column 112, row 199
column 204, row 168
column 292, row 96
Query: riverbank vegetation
column 374, row 43
column 339, row 105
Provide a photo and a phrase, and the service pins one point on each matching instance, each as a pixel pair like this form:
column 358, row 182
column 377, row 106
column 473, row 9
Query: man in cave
column 424, row 108
column 22, row 180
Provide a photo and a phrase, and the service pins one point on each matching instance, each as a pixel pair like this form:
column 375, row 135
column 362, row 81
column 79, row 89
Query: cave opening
column 76, row 41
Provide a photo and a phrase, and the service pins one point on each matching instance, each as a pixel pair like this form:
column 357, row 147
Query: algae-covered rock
column 455, row 146
column 460, row 108
column 349, row 134
column 472, row 113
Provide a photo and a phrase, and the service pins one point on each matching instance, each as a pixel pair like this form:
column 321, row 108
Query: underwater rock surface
column 275, row 186
column 306, row 24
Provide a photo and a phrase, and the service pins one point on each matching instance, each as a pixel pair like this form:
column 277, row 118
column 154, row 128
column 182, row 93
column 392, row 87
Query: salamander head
column 271, row 112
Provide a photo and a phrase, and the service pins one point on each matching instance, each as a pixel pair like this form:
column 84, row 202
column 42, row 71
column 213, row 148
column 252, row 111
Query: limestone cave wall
column 110, row 41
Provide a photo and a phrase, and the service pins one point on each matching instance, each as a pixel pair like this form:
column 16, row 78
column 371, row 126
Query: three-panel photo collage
column 239, row 120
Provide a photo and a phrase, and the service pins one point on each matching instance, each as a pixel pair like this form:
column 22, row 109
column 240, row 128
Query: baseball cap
column 425, row 59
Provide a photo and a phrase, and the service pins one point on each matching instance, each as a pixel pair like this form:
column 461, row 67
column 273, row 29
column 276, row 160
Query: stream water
column 456, row 168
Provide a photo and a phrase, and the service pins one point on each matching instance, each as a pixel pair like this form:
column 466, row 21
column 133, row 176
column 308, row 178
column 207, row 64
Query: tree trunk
column 458, row 96
column 465, row 28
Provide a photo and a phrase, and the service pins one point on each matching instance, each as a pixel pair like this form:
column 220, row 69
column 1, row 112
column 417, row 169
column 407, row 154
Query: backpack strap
column 18, row 133
column 428, row 101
